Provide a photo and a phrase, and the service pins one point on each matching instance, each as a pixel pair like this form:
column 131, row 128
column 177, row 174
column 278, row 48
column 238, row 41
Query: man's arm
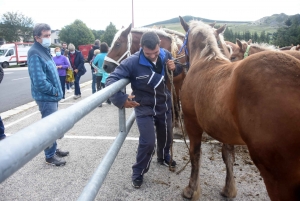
column 81, row 59
column 38, row 77
column 177, row 69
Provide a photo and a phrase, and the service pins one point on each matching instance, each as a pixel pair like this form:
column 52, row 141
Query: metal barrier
column 27, row 143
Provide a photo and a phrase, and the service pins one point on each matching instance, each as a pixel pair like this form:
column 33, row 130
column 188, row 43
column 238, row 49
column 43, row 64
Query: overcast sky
column 98, row 14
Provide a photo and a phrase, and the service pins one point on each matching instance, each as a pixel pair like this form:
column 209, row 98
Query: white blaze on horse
column 253, row 102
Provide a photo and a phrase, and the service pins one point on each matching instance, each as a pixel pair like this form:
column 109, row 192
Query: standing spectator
column 77, row 63
column 68, row 84
column 45, row 84
column 98, row 62
column 64, row 48
column 151, row 100
column 2, row 129
column 62, row 64
column 96, row 46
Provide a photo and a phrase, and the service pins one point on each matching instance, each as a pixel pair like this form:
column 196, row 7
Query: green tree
column 98, row 33
column 77, row 33
column 14, row 25
column 109, row 34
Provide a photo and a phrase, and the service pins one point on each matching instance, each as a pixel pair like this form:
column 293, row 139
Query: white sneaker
column 76, row 96
column 62, row 100
column 69, row 91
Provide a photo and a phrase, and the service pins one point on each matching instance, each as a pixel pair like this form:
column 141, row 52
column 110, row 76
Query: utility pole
column 132, row 25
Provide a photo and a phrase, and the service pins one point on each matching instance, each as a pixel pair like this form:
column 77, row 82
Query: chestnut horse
column 244, row 49
column 253, row 102
column 127, row 42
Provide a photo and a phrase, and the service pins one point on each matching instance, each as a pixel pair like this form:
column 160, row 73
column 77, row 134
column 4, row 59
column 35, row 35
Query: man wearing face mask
column 151, row 100
column 45, row 83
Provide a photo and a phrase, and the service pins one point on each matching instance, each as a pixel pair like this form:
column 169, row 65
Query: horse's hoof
column 187, row 192
column 228, row 194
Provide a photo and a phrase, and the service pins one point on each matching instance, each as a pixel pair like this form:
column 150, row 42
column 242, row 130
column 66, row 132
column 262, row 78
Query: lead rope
column 170, row 76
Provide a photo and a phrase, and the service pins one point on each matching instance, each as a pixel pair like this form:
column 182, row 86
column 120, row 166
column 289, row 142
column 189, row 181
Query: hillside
column 268, row 24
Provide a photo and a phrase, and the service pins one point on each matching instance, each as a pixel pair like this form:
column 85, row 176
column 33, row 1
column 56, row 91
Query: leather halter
column 184, row 45
column 127, row 53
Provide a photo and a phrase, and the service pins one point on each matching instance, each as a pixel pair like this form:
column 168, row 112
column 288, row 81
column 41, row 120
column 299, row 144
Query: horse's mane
column 173, row 32
column 264, row 46
column 157, row 31
column 211, row 49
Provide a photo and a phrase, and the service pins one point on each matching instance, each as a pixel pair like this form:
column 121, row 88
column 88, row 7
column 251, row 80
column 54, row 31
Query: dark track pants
column 163, row 124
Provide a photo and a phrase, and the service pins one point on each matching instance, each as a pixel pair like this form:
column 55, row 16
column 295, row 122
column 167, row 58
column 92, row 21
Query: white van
column 14, row 54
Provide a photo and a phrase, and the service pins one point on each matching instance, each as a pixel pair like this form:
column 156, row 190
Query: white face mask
column 46, row 42
column 72, row 52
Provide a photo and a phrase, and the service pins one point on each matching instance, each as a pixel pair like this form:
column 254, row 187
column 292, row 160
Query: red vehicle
column 84, row 49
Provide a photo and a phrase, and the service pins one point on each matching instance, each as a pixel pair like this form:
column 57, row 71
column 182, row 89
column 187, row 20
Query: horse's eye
column 117, row 44
column 232, row 58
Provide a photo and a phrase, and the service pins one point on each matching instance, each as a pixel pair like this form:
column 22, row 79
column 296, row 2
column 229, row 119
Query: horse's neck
column 255, row 49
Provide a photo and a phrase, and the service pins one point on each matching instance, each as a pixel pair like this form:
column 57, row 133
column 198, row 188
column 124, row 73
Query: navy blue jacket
column 78, row 63
column 149, row 88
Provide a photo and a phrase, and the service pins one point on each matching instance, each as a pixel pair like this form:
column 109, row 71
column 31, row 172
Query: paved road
column 89, row 140
column 15, row 87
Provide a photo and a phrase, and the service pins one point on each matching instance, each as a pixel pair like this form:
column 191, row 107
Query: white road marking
column 19, row 78
column 8, row 125
column 101, row 138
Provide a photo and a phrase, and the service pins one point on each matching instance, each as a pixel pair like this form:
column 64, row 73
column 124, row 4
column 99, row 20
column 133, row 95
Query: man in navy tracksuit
column 151, row 99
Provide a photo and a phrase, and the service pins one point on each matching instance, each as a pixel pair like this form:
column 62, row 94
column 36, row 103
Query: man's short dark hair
column 38, row 28
column 150, row 39
column 97, row 42
column 103, row 47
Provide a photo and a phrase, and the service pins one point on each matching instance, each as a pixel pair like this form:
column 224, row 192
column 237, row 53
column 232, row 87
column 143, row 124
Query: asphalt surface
column 15, row 87
column 89, row 140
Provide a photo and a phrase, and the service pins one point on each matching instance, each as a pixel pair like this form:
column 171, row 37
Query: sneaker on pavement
column 166, row 163
column 62, row 100
column 55, row 160
column 76, row 96
column 136, row 183
column 60, row 153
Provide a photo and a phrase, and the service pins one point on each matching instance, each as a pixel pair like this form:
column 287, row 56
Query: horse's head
column 239, row 51
column 200, row 41
column 226, row 50
column 120, row 49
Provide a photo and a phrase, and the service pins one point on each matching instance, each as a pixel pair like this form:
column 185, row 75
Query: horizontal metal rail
column 27, row 143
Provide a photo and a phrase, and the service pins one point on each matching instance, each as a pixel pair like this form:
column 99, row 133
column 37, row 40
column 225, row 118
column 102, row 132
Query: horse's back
column 267, row 98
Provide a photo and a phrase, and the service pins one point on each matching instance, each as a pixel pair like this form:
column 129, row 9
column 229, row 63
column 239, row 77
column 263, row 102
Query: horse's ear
column 249, row 41
column 239, row 43
column 184, row 24
column 212, row 24
column 126, row 31
column 221, row 29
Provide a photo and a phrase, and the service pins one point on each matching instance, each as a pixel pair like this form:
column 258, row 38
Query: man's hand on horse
column 130, row 103
column 171, row 65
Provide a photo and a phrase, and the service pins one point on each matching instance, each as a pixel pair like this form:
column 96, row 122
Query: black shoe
column 54, row 160
column 61, row 153
column 137, row 182
column 100, row 105
column 166, row 163
column 3, row 137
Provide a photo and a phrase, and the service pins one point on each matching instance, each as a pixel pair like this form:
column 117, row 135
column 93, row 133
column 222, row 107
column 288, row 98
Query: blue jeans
column 76, row 84
column 2, row 135
column 47, row 108
column 94, row 78
column 63, row 83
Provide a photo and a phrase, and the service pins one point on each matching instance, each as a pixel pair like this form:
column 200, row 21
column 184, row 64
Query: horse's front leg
column 193, row 190
column 228, row 156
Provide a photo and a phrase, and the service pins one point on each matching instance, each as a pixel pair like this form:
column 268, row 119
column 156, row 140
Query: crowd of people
column 50, row 77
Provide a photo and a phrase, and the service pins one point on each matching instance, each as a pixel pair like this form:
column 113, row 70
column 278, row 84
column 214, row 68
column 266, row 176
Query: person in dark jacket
column 90, row 57
column 151, row 100
column 2, row 129
column 45, row 84
column 77, row 63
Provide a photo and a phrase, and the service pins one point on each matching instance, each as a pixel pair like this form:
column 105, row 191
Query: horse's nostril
column 105, row 67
